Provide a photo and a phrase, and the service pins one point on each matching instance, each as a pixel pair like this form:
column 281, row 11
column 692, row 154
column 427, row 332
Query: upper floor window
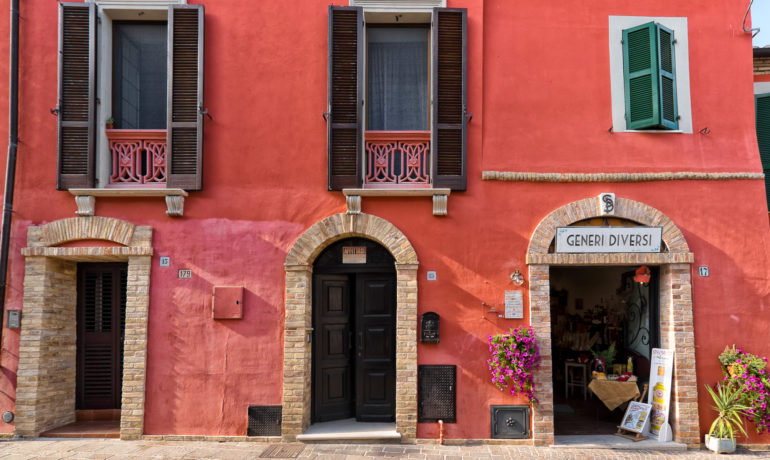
column 130, row 95
column 649, row 74
column 397, row 98
column 762, row 111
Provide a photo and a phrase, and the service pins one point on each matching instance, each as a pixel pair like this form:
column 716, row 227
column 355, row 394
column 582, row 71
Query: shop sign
column 608, row 239
column 514, row 305
column 354, row 254
column 661, row 370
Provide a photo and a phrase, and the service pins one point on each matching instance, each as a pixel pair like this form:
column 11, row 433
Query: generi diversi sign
column 608, row 239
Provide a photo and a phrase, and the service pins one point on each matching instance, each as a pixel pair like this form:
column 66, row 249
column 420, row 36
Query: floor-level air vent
column 437, row 393
column 510, row 422
column 264, row 421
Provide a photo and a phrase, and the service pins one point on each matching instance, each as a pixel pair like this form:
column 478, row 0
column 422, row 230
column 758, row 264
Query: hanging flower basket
column 513, row 358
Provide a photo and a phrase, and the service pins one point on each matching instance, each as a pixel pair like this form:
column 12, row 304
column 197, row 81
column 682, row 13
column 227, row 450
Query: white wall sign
column 607, row 204
column 431, row 275
column 661, row 370
column 185, row 274
column 165, row 261
column 514, row 305
column 703, row 271
column 608, row 239
column 354, row 254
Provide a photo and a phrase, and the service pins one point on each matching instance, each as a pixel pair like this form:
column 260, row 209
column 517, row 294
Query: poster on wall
column 661, row 369
column 636, row 418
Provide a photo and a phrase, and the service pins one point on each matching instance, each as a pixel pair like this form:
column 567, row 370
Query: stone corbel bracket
column 85, row 198
column 440, row 197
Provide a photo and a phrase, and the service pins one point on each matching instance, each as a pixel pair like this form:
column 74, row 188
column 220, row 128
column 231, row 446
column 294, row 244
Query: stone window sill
column 440, row 197
column 85, row 198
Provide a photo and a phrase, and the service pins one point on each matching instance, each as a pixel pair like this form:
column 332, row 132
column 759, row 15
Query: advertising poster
column 659, row 396
column 636, row 417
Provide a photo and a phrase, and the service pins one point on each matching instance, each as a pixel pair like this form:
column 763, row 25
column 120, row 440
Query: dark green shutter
column 450, row 77
column 345, row 96
column 640, row 73
column 763, row 138
column 185, row 97
column 77, row 86
column 666, row 77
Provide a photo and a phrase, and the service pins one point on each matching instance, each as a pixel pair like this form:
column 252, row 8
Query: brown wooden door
column 375, row 347
column 332, row 342
column 101, row 307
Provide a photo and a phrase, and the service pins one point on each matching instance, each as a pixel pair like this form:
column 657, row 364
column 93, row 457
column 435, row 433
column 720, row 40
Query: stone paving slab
column 114, row 449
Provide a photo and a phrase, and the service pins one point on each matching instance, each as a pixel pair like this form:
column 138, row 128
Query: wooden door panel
column 376, row 353
column 332, row 366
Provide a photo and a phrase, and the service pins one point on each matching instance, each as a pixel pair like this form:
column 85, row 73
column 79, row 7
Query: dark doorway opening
column 593, row 309
column 101, row 319
column 354, row 331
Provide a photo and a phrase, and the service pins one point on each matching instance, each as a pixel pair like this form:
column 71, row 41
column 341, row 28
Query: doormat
column 282, row 451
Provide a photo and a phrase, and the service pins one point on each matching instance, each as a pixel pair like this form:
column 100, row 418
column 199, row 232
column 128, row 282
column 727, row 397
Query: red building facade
column 267, row 195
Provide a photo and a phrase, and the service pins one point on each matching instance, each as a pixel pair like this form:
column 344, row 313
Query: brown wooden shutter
column 450, row 76
column 344, row 124
column 185, row 97
column 77, row 86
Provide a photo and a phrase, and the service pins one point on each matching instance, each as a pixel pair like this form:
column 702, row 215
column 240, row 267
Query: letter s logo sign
column 608, row 203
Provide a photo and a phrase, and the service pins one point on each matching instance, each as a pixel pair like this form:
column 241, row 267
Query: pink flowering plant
column 748, row 374
column 513, row 358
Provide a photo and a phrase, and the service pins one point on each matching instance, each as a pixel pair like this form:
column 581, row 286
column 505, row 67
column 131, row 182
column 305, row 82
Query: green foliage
column 727, row 403
column 607, row 355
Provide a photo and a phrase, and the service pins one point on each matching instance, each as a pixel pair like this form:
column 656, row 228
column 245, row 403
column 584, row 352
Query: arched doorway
column 298, row 322
column 354, row 333
column 675, row 303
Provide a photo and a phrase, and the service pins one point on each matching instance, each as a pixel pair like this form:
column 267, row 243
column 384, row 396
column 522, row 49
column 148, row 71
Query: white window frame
column 682, row 71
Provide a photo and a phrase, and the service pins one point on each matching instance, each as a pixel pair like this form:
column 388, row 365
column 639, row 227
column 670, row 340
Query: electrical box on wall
column 227, row 302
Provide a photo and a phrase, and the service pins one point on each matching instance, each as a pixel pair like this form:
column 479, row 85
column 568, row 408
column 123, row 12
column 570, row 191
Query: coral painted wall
column 538, row 86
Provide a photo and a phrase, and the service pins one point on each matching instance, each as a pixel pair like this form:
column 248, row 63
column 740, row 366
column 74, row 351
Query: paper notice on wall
column 514, row 305
column 661, row 370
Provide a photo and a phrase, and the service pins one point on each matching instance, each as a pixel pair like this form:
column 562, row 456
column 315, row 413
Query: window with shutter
column 763, row 138
column 397, row 99
column 649, row 74
column 146, row 132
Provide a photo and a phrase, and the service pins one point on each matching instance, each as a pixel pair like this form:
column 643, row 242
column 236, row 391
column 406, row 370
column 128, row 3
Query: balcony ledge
column 85, row 198
column 440, row 197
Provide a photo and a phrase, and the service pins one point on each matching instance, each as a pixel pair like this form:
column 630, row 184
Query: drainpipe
column 10, row 169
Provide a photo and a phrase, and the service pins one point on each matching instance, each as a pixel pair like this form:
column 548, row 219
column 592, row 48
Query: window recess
column 150, row 81
column 397, row 99
column 763, row 137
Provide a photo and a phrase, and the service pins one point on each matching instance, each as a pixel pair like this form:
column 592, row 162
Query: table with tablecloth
column 614, row 393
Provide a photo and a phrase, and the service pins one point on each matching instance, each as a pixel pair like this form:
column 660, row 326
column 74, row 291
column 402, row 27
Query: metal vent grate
column 510, row 422
column 437, row 393
column 264, row 421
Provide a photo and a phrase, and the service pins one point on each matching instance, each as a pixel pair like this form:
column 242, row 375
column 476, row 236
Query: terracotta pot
column 720, row 445
column 109, row 126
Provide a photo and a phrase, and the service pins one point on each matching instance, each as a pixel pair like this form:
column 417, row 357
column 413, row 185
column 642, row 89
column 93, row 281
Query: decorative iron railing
column 397, row 159
column 138, row 157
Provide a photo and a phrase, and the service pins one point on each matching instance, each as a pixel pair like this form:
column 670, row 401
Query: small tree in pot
column 727, row 402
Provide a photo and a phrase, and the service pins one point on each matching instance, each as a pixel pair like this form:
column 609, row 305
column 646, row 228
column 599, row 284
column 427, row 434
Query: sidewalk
column 115, row 449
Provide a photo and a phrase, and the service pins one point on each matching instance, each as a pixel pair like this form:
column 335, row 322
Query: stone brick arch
column 675, row 305
column 298, row 317
column 47, row 371
column 590, row 207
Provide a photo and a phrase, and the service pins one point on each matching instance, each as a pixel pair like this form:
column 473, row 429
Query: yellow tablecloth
column 614, row 393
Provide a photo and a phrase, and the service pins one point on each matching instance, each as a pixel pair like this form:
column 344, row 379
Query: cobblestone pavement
column 114, row 449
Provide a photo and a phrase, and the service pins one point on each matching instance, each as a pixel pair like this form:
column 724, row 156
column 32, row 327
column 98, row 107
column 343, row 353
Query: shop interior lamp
column 517, row 277
column 642, row 275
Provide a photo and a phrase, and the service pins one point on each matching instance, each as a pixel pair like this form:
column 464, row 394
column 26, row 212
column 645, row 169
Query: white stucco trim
column 682, row 63
column 761, row 87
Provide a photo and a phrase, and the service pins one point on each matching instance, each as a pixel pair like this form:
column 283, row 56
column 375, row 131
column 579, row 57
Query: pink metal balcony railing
column 138, row 157
column 397, row 159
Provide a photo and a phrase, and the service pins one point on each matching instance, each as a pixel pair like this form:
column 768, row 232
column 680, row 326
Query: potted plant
column 110, row 123
column 727, row 403
column 605, row 357
column 513, row 358
column 748, row 375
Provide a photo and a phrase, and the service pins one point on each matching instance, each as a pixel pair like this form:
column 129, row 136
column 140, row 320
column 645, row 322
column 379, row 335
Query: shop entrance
column 600, row 317
column 354, row 305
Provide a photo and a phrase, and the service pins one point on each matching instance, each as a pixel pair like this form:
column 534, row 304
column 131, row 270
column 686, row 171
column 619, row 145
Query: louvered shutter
column 640, row 73
column 185, row 97
column 450, row 76
column 345, row 96
column 77, row 85
column 763, row 138
column 666, row 77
